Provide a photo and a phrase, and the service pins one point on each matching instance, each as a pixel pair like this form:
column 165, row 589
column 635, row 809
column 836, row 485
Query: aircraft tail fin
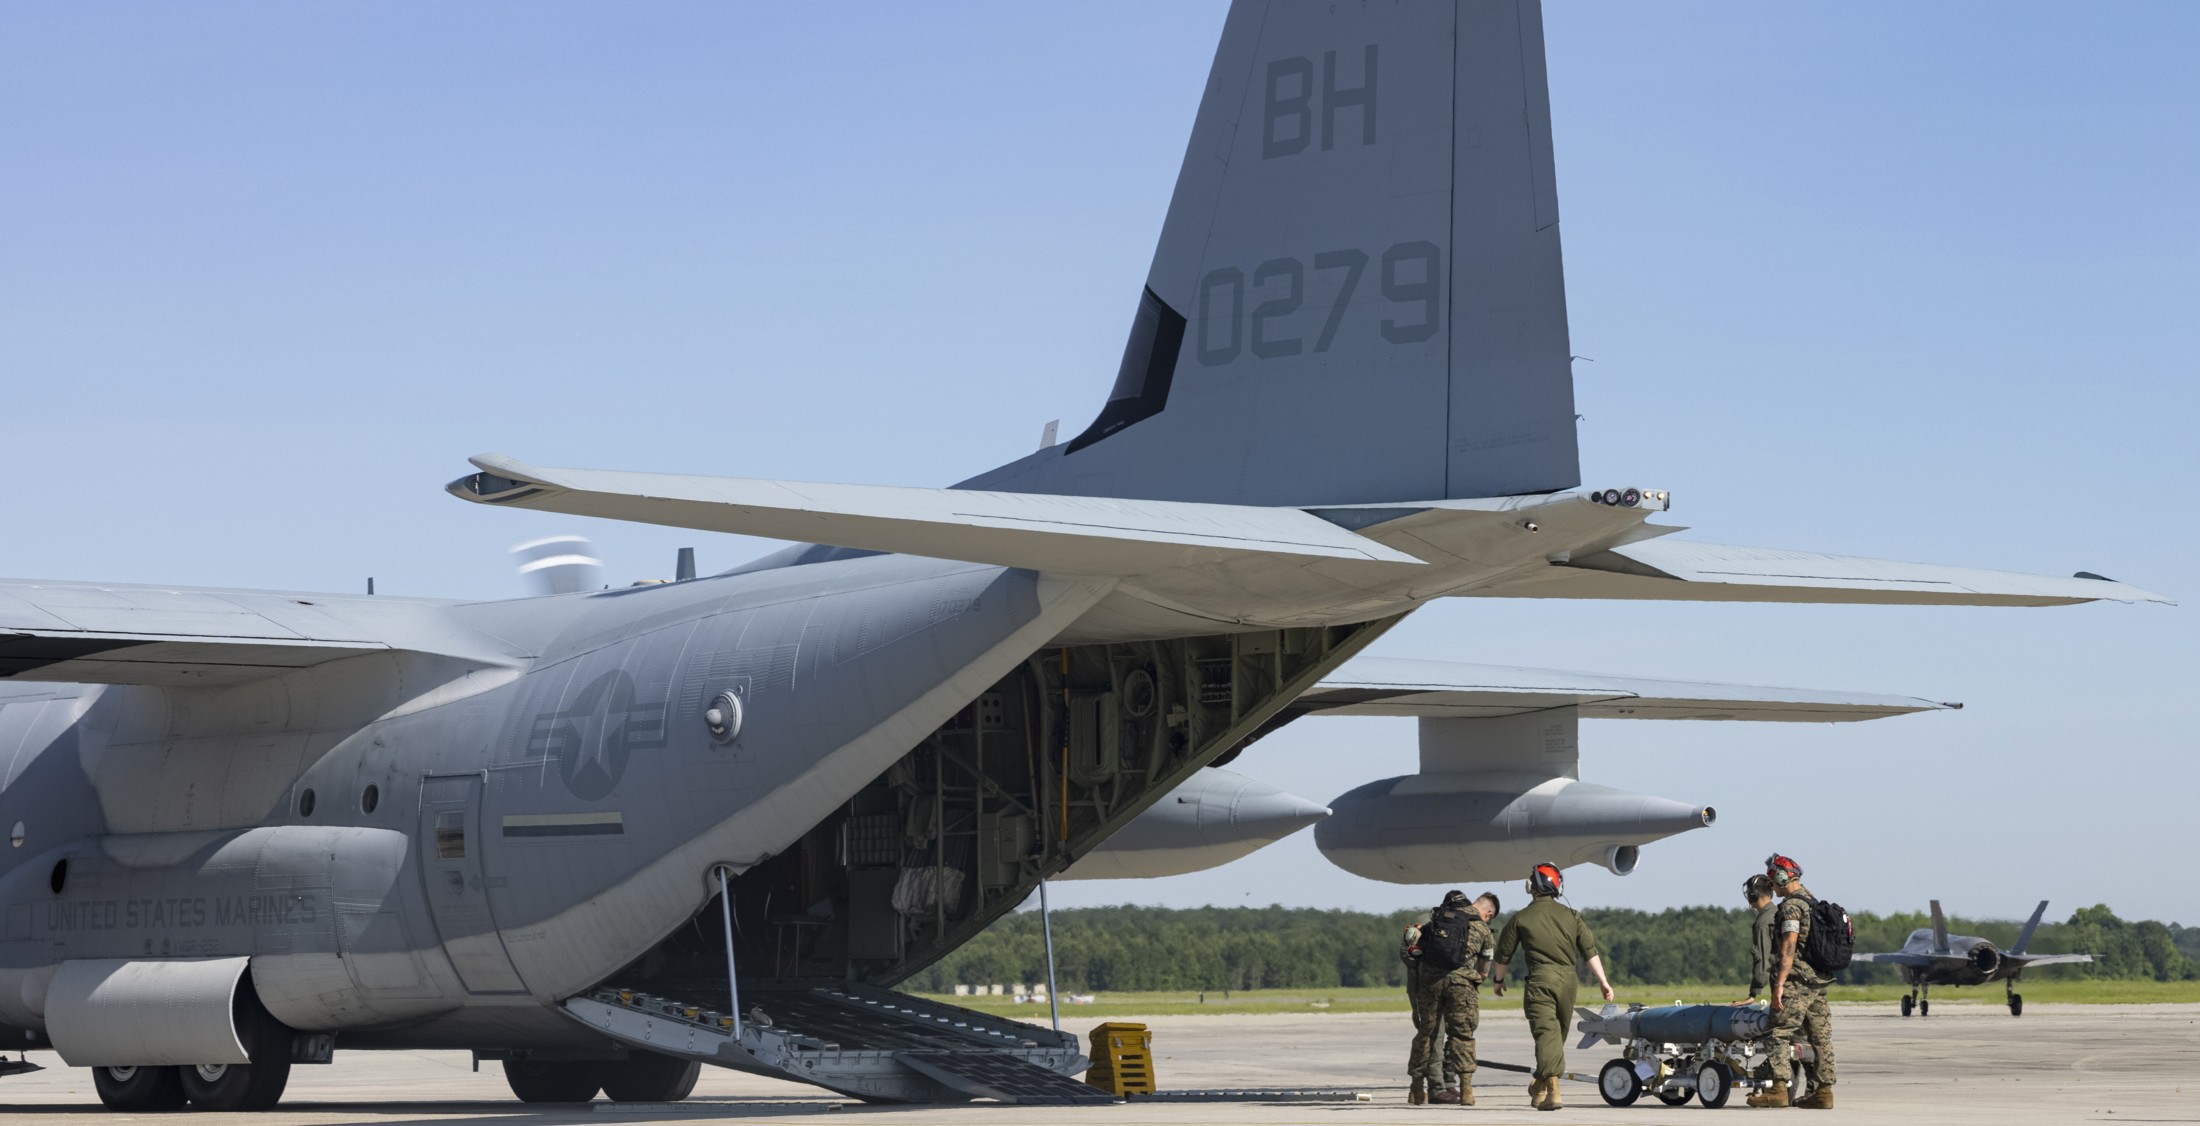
column 1940, row 930
column 1357, row 296
column 2024, row 937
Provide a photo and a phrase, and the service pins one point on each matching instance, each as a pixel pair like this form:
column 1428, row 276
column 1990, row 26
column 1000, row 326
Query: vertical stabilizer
column 2024, row 937
column 1940, row 930
column 1357, row 296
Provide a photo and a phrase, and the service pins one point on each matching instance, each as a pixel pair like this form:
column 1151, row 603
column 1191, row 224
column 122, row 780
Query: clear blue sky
column 1915, row 281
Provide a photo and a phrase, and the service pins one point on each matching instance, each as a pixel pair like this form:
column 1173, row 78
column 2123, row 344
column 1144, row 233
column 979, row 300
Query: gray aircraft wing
column 95, row 633
column 2030, row 960
column 1401, row 687
column 1681, row 570
column 1251, row 564
column 1063, row 534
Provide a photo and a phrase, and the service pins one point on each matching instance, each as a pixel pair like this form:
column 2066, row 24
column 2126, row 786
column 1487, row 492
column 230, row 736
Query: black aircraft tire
column 236, row 1086
column 1924, row 1008
column 244, row 1086
column 1619, row 1084
column 139, row 1090
column 2016, row 1004
column 650, row 1077
column 1675, row 1097
column 562, row 1082
column 1909, row 1005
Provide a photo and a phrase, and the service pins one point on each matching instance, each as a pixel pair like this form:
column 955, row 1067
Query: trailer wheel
column 1714, row 1082
column 1619, row 1084
column 1675, row 1096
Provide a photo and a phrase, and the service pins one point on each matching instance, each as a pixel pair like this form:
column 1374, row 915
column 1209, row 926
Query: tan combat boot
column 1466, row 1092
column 1417, row 1092
column 1819, row 1099
column 1775, row 1095
column 1550, row 1095
column 1535, row 1093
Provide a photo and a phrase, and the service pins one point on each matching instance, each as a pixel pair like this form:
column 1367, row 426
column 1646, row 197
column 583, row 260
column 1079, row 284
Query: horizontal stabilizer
column 2031, row 960
column 1916, row 961
column 1399, row 687
column 86, row 633
column 1678, row 570
column 1061, row 534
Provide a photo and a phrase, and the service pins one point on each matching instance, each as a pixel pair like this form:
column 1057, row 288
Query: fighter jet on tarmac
column 1931, row 956
column 605, row 836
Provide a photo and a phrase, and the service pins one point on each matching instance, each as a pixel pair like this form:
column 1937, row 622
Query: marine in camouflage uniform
column 1449, row 1006
column 1801, row 995
column 1428, row 1021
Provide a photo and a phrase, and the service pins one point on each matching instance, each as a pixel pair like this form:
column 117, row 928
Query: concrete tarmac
column 1966, row 1064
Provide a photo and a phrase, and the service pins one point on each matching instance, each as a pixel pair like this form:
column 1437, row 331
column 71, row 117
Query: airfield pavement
column 1965, row 1064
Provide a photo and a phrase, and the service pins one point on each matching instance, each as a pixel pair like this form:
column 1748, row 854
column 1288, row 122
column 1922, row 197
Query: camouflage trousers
column 1803, row 1010
column 1447, row 1008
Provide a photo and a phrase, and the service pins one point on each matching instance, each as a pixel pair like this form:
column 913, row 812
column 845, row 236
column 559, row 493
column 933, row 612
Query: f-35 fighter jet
column 604, row 836
column 1931, row 956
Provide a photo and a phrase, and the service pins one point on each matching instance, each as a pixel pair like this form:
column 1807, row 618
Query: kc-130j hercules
column 250, row 826
column 1931, row 956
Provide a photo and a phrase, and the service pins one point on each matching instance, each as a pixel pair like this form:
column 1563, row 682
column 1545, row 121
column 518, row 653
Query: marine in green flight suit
column 1556, row 940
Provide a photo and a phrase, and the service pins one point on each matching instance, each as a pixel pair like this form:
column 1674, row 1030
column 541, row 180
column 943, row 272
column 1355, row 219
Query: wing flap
column 1061, row 534
column 103, row 633
column 1401, row 687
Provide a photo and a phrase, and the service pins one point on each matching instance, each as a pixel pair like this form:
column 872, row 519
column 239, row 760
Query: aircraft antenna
column 684, row 570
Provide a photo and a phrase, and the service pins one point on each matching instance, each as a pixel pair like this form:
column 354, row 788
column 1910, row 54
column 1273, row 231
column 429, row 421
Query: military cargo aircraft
column 606, row 836
column 1931, row 956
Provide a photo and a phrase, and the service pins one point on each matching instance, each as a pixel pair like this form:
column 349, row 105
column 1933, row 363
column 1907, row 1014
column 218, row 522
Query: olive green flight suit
column 1556, row 940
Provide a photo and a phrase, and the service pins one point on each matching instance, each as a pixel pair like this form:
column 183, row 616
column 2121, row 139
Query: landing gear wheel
column 2016, row 1004
column 143, row 1090
column 650, row 1077
column 553, row 1082
column 1908, row 1003
column 244, row 1086
column 1619, row 1084
column 1924, row 1007
column 1675, row 1096
column 235, row 1086
column 1714, row 1082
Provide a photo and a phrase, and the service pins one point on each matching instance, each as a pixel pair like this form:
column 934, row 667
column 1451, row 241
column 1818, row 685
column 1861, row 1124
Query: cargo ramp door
column 868, row 1043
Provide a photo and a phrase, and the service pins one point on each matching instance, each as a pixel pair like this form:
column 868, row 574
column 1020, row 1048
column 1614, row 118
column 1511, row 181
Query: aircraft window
column 15, row 836
column 369, row 798
column 306, row 803
column 450, row 835
column 60, row 877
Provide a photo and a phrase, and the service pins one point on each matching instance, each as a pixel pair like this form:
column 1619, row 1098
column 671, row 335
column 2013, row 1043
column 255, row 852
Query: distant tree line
column 1118, row 949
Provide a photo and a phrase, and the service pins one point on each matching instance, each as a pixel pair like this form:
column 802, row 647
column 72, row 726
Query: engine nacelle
column 1495, row 795
column 1443, row 828
column 1215, row 817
